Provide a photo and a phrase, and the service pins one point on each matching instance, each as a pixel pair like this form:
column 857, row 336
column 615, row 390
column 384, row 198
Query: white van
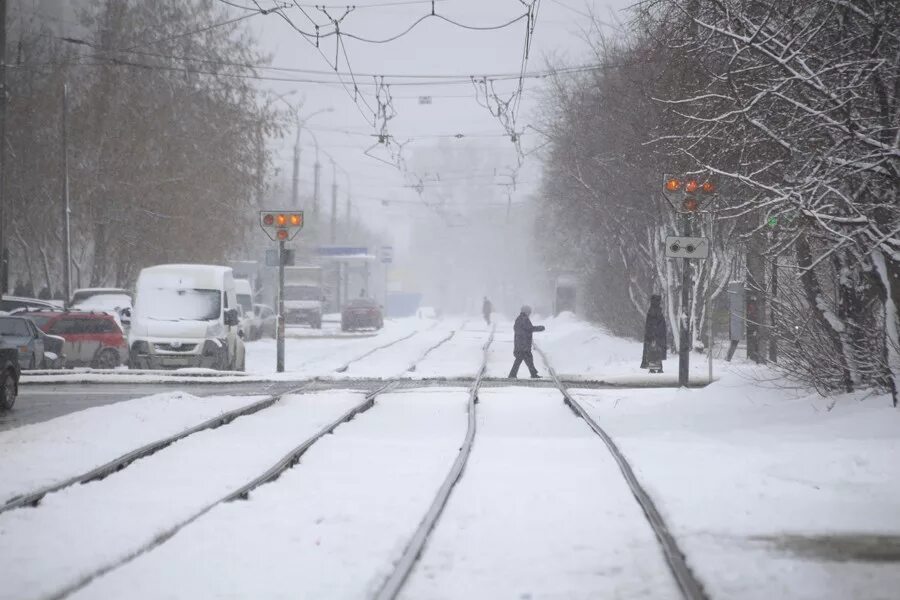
column 186, row 316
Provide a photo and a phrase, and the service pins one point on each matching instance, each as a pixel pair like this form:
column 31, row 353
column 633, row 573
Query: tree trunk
column 889, row 275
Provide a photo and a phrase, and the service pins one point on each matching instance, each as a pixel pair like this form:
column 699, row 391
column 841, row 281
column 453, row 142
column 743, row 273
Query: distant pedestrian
column 522, row 343
column 486, row 309
column 655, row 337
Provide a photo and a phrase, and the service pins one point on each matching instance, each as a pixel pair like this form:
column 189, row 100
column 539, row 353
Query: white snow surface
column 35, row 456
column 79, row 529
column 540, row 512
column 737, row 466
column 329, row 528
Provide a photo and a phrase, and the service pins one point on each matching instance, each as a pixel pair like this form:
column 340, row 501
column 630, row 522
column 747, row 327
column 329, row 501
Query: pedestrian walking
column 522, row 343
column 486, row 310
column 655, row 337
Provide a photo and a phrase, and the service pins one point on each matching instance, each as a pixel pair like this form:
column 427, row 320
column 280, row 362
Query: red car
column 92, row 339
column 361, row 312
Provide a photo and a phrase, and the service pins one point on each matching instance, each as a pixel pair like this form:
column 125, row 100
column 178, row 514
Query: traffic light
column 281, row 226
column 682, row 193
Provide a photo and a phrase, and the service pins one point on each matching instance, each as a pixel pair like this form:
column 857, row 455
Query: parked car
column 115, row 301
column 104, row 299
column 361, row 313
column 92, row 339
column 249, row 323
column 21, row 334
column 54, row 345
column 11, row 303
column 267, row 319
column 186, row 316
column 9, row 376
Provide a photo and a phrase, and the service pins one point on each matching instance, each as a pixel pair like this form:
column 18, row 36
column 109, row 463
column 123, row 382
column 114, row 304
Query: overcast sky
column 434, row 47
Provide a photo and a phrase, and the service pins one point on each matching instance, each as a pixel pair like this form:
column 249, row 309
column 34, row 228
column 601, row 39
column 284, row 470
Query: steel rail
column 343, row 368
column 33, row 498
column 271, row 474
column 392, row 585
column 413, row 366
column 688, row 584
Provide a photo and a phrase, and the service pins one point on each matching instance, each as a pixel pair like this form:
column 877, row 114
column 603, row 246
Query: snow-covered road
column 771, row 493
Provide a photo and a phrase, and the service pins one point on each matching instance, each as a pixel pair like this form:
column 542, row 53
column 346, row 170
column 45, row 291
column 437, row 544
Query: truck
column 304, row 297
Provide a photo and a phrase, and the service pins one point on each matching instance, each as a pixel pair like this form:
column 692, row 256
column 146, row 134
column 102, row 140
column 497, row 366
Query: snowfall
column 770, row 490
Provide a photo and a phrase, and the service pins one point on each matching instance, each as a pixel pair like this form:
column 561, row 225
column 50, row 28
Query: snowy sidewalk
column 541, row 511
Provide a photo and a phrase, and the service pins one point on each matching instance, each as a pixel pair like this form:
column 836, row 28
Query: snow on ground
column 771, row 493
column 584, row 351
column 329, row 528
column 78, row 529
column 317, row 357
column 460, row 357
column 541, row 511
column 35, row 456
column 396, row 360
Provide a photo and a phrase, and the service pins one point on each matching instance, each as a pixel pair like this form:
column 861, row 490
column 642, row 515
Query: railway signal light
column 684, row 193
column 281, row 225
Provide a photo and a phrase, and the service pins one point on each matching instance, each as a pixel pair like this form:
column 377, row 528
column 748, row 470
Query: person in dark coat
column 486, row 309
column 655, row 338
column 522, row 343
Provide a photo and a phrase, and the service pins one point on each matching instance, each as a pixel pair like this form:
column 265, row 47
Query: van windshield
column 166, row 304
column 246, row 303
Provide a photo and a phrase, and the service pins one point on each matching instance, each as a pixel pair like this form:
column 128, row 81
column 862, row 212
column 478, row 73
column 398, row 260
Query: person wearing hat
column 522, row 343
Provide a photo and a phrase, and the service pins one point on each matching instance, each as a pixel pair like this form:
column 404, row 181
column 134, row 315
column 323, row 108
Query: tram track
column 688, row 584
column 270, row 474
column 392, row 585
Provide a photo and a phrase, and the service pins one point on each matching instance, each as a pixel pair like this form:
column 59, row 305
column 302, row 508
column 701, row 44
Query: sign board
column 687, row 247
column 281, row 225
column 272, row 257
column 387, row 254
column 341, row 250
column 424, row 99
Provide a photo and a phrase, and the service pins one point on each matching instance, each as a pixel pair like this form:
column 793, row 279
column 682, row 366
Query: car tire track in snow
column 272, row 473
column 33, row 498
column 343, row 368
column 688, row 584
column 394, row 582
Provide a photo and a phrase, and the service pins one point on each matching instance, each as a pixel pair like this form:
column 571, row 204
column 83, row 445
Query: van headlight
column 140, row 347
column 211, row 347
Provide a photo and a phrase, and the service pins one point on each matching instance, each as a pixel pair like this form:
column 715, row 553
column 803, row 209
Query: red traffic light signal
column 281, row 225
column 690, row 204
column 672, row 184
column 708, row 187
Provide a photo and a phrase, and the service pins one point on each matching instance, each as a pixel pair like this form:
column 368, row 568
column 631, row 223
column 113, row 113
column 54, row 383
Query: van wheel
column 8, row 389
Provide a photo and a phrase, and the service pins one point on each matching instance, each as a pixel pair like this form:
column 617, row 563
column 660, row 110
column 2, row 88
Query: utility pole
column 756, row 299
column 67, row 231
column 279, row 342
column 684, row 340
column 315, row 206
column 333, row 202
column 4, row 256
column 295, row 184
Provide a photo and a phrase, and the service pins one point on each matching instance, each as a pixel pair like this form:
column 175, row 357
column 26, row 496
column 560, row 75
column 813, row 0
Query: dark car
column 361, row 313
column 9, row 376
column 21, row 334
column 91, row 339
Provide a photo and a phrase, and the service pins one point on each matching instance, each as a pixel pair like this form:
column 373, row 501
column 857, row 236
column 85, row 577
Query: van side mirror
column 231, row 317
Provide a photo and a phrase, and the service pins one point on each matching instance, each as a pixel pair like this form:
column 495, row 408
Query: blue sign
column 341, row 250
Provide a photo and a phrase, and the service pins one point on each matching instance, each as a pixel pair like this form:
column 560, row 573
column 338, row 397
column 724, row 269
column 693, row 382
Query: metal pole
column 279, row 344
column 67, row 234
column 4, row 257
column 709, row 286
column 315, row 206
column 333, row 203
column 684, row 350
column 295, row 185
